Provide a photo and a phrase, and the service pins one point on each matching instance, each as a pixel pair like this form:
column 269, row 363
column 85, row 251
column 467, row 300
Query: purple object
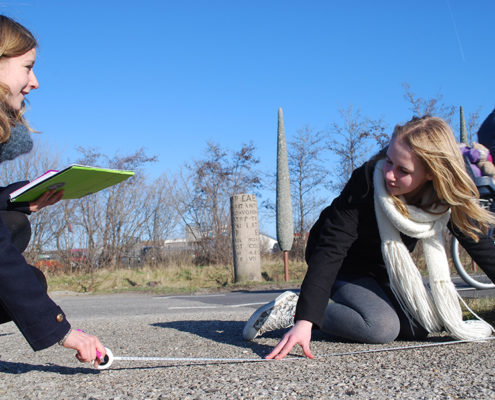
column 474, row 156
column 476, row 170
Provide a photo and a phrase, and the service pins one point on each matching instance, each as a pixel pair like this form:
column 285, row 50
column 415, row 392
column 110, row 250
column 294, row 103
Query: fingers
column 291, row 341
column 46, row 199
column 54, row 197
column 299, row 334
column 277, row 349
column 86, row 346
column 307, row 350
column 100, row 353
column 86, row 349
column 283, row 348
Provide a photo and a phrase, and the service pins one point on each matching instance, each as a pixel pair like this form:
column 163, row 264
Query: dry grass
column 484, row 307
column 167, row 279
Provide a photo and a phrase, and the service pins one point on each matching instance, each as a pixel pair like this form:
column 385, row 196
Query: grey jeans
column 362, row 311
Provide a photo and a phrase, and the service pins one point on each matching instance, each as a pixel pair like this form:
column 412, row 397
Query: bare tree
column 102, row 226
column 204, row 195
column 429, row 106
column 352, row 141
column 159, row 212
column 63, row 233
column 308, row 178
column 473, row 125
column 111, row 220
column 435, row 106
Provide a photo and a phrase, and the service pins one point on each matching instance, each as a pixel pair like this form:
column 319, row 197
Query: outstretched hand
column 86, row 345
column 46, row 199
column 299, row 334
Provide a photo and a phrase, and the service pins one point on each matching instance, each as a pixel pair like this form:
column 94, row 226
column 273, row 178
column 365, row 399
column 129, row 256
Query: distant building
column 268, row 244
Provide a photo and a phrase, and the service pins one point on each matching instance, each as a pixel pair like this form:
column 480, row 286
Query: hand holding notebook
column 76, row 181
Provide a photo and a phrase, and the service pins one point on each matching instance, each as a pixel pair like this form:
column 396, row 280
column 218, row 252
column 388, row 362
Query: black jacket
column 486, row 133
column 6, row 204
column 22, row 297
column 345, row 242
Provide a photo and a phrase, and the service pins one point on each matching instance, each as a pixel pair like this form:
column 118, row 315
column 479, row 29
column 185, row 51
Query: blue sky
column 171, row 75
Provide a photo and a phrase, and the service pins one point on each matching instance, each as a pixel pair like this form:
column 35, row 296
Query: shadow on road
column 228, row 332
column 17, row 368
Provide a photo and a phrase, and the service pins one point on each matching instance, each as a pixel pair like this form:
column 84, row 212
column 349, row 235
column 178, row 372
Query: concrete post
column 245, row 238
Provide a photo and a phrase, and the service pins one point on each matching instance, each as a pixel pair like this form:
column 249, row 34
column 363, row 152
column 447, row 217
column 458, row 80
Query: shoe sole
column 249, row 333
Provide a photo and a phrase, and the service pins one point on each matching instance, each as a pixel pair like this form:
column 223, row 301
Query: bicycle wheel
column 463, row 263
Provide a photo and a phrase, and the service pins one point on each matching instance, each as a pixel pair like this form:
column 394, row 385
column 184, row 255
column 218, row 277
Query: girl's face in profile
column 404, row 172
column 17, row 74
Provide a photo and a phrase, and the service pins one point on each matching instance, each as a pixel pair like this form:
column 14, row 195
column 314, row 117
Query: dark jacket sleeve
column 22, row 296
column 328, row 243
column 6, row 204
column 482, row 252
column 486, row 133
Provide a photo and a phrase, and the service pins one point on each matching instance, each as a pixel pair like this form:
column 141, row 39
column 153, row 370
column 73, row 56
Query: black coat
column 486, row 133
column 6, row 204
column 345, row 242
column 23, row 299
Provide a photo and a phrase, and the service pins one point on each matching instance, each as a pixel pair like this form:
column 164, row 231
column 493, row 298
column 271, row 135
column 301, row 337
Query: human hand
column 46, row 199
column 87, row 347
column 299, row 334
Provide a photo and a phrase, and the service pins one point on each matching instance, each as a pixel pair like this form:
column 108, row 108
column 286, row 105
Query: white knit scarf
column 438, row 308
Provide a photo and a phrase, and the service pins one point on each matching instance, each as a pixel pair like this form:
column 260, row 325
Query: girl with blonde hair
column 23, row 296
column 358, row 252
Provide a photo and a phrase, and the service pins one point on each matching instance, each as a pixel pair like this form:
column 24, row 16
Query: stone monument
column 245, row 238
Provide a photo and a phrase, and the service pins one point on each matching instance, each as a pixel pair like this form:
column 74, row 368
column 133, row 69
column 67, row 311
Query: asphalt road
column 210, row 326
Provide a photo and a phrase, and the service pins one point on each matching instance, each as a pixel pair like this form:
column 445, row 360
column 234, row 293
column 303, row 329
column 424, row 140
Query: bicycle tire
column 470, row 280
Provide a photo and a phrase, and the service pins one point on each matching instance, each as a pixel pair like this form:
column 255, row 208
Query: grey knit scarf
column 20, row 142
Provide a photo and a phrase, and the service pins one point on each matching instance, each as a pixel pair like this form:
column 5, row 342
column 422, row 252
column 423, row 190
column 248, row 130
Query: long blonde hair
column 433, row 142
column 15, row 40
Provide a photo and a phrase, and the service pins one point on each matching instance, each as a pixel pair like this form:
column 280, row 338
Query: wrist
column 61, row 342
column 304, row 323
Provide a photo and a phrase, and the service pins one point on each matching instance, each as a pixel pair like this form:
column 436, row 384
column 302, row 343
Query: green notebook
column 76, row 181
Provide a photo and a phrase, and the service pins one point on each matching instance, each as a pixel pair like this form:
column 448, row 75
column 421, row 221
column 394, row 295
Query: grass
column 167, row 279
column 484, row 307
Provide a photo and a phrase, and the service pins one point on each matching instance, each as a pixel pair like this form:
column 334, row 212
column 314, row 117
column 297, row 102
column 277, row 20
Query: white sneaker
column 278, row 314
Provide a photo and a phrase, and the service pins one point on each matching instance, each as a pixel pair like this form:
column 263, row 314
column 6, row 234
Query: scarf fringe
column 407, row 285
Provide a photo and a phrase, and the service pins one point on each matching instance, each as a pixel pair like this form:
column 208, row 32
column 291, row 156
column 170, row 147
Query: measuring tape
column 110, row 358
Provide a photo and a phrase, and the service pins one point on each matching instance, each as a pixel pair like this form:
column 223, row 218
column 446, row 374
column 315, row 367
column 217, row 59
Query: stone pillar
column 245, row 237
